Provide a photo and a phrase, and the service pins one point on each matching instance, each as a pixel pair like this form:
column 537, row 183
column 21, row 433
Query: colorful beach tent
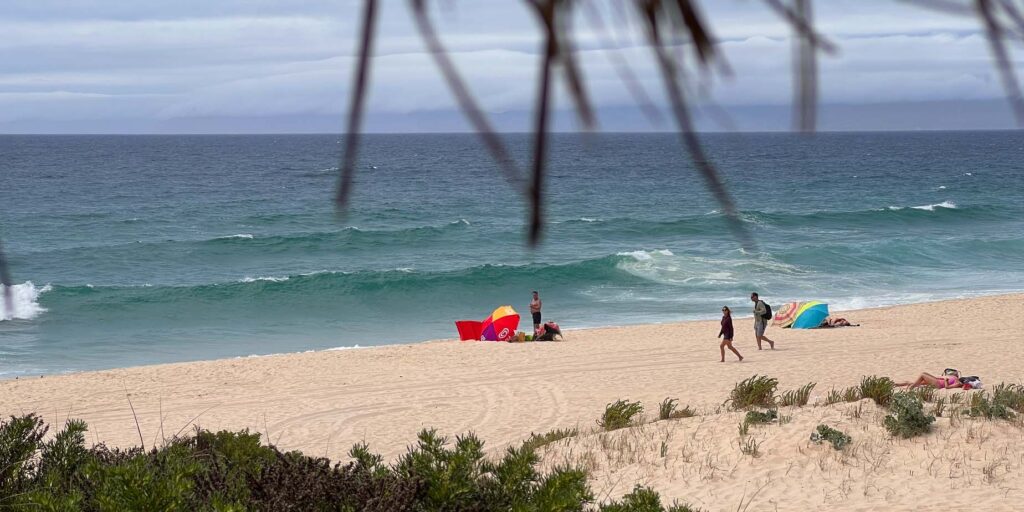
column 501, row 325
column 469, row 330
column 810, row 315
column 785, row 314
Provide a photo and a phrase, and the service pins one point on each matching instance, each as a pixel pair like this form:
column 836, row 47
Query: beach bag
column 767, row 311
column 972, row 382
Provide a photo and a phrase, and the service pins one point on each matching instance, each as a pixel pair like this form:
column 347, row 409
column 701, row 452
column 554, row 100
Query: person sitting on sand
column 726, row 334
column 950, row 379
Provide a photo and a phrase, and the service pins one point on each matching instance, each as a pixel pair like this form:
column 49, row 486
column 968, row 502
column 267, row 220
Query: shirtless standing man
column 760, row 324
column 535, row 311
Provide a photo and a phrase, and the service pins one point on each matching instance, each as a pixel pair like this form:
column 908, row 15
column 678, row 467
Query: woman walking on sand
column 726, row 334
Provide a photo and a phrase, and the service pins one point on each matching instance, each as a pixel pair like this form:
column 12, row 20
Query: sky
column 278, row 66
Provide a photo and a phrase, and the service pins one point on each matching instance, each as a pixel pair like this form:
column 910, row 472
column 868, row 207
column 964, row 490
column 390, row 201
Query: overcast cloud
column 67, row 65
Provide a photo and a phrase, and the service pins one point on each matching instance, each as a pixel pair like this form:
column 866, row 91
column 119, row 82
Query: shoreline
column 575, row 335
column 582, row 329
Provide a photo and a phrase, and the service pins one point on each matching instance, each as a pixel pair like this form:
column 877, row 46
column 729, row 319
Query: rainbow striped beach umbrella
column 785, row 314
column 810, row 315
column 501, row 325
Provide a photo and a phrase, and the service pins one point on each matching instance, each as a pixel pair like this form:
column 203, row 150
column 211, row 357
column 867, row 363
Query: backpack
column 767, row 311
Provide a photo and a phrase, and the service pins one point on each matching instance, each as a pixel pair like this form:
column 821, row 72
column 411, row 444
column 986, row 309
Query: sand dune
column 323, row 402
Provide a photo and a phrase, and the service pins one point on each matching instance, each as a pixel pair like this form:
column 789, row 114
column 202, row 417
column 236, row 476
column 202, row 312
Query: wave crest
column 949, row 205
column 24, row 302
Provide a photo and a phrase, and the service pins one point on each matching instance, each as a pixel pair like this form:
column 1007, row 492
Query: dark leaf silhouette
column 358, row 103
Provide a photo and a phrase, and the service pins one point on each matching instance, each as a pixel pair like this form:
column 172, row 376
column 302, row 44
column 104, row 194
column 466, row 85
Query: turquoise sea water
column 144, row 249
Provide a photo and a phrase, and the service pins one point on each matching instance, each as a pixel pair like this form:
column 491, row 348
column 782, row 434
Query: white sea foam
column 335, row 349
column 272, row 279
column 646, row 255
column 277, row 354
column 581, row 219
column 463, row 222
column 24, row 301
column 687, row 270
column 931, row 207
column 246, row 236
column 926, row 207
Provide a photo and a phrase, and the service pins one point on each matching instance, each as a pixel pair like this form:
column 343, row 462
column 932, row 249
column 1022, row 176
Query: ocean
column 131, row 250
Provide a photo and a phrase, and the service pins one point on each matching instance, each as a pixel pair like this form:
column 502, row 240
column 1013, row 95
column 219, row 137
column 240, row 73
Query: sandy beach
column 323, row 402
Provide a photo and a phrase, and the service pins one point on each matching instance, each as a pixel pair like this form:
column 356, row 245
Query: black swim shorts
column 536, row 318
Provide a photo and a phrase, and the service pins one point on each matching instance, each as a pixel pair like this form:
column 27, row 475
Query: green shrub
column 229, row 471
column 879, row 389
column 620, row 414
column 797, row 397
column 1009, row 395
column 907, row 417
column 993, row 407
column 836, row 438
column 162, row 480
column 535, row 442
column 19, row 439
column 643, row 499
column 757, row 417
column 757, row 391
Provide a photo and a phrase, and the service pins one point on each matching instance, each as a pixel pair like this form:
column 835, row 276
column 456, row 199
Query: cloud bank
column 109, row 63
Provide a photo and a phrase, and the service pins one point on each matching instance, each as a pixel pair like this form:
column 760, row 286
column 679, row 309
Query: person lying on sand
column 831, row 321
column 950, row 379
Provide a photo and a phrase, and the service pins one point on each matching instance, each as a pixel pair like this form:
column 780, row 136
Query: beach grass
column 797, row 397
column 620, row 414
column 756, row 391
column 879, row 389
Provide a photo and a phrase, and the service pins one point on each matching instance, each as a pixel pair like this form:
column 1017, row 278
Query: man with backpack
column 762, row 314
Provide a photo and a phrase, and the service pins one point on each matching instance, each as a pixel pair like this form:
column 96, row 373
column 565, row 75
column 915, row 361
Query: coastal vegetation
column 879, row 389
column 620, row 414
column 758, row 390
column 669, row 410
column 228, row 471
column 562, row 469
column 797, row 397
column 907, row 417
column 837, row 438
